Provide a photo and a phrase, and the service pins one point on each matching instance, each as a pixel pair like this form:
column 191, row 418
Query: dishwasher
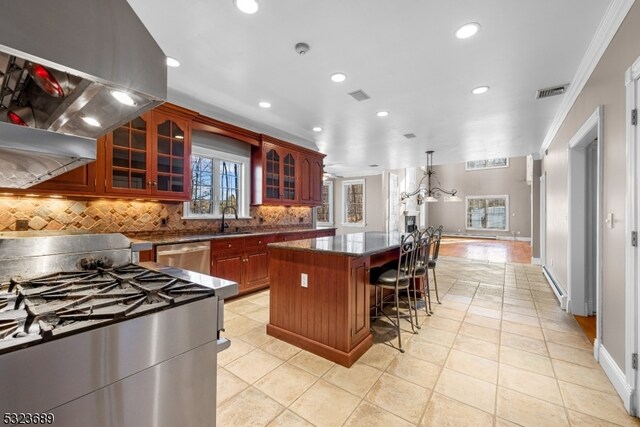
column 190, row 256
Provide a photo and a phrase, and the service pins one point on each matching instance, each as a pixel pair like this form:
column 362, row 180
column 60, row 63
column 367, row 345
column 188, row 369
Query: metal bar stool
column 397, row 278
column 437, row 237
column 420, row 274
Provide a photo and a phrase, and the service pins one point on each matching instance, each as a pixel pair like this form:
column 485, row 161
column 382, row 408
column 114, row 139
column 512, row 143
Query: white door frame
column 576, row 300
column 632, row 254
column 543, row 218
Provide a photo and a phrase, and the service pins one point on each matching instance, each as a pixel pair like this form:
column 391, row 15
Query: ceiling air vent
column 409, row 135
column 551, row 91
column 359, row 95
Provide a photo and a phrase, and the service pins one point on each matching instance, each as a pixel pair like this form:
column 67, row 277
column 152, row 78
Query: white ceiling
column 403, row 53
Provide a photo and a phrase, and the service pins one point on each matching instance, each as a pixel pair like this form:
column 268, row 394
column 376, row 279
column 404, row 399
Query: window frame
column 345, row 184
column 467, row 168
column 499, row 196
column 329, row 185
column 244, row 187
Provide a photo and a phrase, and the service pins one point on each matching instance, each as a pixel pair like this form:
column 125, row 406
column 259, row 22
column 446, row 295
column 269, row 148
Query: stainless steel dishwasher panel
column 190, row 256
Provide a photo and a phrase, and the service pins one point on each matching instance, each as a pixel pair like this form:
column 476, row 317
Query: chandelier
column 430, row 194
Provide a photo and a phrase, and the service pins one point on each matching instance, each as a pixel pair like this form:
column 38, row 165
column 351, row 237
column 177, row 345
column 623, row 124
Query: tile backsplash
column 133, row 217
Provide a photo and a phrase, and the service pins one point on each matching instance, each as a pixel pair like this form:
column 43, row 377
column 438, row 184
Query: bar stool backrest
column 437, row 237
column 425, row 241
column 407, row 258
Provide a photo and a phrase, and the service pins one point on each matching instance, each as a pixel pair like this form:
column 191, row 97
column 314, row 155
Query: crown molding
column 607, row 29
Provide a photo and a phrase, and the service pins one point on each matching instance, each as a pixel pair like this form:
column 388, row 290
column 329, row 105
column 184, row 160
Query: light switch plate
column 304, row 280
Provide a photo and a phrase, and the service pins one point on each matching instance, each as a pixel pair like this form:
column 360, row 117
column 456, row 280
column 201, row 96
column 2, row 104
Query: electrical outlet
column 301, row 219
column 304, row 280
column 22, row 225
column 164, row 222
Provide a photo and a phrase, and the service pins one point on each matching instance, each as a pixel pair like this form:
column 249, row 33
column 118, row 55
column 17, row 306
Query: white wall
column 509, row 181
column 605, row 87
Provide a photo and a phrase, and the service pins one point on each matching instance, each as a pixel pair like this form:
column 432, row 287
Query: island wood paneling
column 330, row 317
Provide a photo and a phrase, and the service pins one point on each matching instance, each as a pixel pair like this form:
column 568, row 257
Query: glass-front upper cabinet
column 280, row 175
column 148, row 156
column 170, row 136
column 127, row 156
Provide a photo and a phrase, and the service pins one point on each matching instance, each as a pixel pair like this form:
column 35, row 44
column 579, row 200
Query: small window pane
column 164, row 128
column 501, row 162
column 354, row 202
column 138, row 140
column 164, row 145
column 163, row 182
column 323, row 212
column 487, row 213
column 164, row 164
column 121, row 137
column 120, row 158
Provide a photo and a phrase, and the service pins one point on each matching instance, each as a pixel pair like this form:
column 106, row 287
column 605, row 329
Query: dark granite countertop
column 169, row 239
column 354, row 244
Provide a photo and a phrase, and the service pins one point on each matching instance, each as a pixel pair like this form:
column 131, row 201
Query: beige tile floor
column 498, row 351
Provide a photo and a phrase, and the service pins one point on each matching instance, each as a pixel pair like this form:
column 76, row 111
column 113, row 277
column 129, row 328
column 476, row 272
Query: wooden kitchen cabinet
column 310, row 179
column 245, row 260
column 280, row 175
column 150, row 156
column 359, row 298
column 285, row 175
column 146, row 158
column 248, row 266
column 78, row 181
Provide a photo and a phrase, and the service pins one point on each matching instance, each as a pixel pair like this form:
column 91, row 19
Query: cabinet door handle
column 154, row 183
column 259, row 242
column 150, row 183
column 229, row 245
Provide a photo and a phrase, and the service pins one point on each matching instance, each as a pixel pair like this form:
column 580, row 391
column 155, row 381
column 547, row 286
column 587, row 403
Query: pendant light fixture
column 430, row 194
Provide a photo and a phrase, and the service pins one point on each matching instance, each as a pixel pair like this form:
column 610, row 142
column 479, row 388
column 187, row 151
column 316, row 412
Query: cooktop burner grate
column 61, row 303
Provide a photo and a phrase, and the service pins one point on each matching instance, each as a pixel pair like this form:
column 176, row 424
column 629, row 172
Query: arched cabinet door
column 273, row 175
column 171, row 144
column 289, row 193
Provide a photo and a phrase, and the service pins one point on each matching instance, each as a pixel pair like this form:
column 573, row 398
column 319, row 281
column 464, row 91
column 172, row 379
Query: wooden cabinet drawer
column 259, row 241
column 219, row 245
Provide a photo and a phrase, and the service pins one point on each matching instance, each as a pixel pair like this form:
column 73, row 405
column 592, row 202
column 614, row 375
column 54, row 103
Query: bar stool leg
column 427, row 307
column 398, row 321
column 415, row 300
column 435, row 285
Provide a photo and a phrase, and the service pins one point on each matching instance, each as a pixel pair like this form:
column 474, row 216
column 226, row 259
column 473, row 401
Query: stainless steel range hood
column 91, row 50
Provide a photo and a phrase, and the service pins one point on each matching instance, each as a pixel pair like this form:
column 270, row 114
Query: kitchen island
column 320, row 296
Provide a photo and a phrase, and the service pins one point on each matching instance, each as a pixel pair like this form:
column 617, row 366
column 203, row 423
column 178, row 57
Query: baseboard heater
column 561, row 294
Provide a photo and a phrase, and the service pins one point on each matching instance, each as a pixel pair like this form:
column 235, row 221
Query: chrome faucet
column 224, row 210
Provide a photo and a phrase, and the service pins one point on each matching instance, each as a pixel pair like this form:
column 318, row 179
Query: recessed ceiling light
column 338, row 77
column 382, row 113
column 247, row 6
column 123, row 97
column 317, row 129
column 480, row 90
column 264, row 104
column 91, row 121
column 467, row 30
column 172, row 62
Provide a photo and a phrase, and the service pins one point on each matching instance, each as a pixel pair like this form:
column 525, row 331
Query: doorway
column 585, row 224
column 631, row 399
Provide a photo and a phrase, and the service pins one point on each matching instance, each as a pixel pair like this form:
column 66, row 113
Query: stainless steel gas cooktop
column 64, row 303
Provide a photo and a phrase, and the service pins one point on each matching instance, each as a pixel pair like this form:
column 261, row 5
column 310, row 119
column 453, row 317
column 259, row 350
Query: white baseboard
column 518, row 239
column 615, row 375
column 536, row 261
